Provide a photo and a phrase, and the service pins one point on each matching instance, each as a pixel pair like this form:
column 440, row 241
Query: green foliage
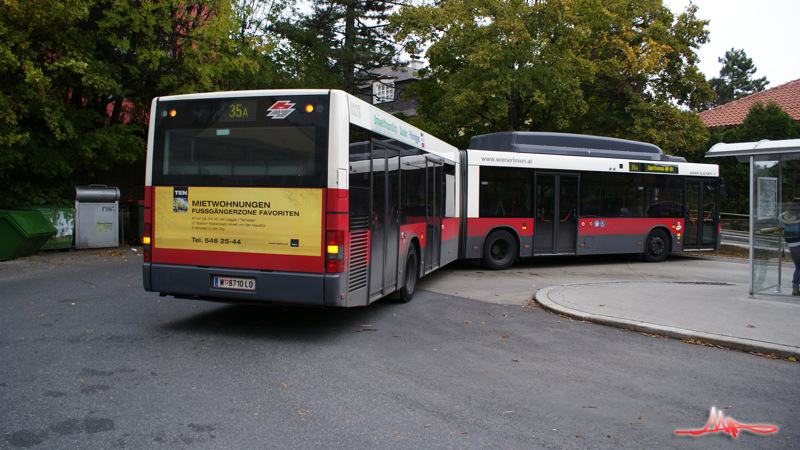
column 762, row 122
column 768, row 122
column 77, row 78
column 607, row 67
column 339, row 43
column 735, row 79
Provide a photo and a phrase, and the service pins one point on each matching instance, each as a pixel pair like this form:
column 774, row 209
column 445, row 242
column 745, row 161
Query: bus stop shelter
column 774, row 182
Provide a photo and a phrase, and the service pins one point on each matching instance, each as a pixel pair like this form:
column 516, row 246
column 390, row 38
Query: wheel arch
column 660, row 228
column 413, row 242
column 496, row 228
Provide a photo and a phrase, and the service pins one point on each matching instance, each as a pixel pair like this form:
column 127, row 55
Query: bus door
column 434, row 209
column 702, row 214
column 385, row 222
column 555, row 228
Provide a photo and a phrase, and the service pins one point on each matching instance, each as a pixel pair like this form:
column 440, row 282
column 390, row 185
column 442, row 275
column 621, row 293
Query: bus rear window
column 241, row 142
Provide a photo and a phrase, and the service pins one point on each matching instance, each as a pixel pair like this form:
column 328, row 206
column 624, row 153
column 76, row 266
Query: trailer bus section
column 306, row 197
column 534, row 194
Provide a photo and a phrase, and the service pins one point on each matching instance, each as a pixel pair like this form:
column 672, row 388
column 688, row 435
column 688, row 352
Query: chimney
column 416, row 64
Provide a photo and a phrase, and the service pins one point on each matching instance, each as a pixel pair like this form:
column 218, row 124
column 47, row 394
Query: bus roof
column 569, row 145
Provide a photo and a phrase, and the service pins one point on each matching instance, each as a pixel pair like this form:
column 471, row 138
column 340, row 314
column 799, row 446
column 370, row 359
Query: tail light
column 147, row 242
column 334, row 251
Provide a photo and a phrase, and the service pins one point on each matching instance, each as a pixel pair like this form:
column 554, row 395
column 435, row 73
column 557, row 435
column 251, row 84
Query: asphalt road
column 90, row 360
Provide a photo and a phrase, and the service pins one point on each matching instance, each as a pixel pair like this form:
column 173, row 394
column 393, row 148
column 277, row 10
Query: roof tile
column 787, row 96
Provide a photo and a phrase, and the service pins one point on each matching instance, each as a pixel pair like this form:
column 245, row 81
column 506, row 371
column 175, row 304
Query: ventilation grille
column 359, row 252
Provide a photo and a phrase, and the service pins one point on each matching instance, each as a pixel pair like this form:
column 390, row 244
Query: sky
column 767, row 30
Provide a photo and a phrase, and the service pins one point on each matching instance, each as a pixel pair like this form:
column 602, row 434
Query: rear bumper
column 307, row 289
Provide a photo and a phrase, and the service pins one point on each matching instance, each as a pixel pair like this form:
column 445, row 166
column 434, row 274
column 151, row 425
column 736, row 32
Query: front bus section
column 237, row 203
column 544, row 194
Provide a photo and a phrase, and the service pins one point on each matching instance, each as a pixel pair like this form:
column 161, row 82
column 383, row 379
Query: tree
column 256, row 55
column 608, row 67
column 77, row 78
column 735, row 79
column 339, row 43
column 762, row 122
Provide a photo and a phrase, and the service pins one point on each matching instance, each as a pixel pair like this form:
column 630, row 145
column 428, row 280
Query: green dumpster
column 23, row 233
column 63, row 220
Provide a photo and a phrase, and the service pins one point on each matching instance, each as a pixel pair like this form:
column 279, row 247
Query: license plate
column 239, row 284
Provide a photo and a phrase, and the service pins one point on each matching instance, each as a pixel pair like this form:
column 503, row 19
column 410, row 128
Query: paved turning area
column 696, row 298
column 721, row 314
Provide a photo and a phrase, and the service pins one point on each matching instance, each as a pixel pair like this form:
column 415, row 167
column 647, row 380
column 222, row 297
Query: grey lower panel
column 271, row 287
column 474, row 247
column 608, row 245
column 523, row 251
column 449, row 251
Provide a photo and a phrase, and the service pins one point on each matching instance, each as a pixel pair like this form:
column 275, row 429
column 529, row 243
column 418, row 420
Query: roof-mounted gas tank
column 569, row 144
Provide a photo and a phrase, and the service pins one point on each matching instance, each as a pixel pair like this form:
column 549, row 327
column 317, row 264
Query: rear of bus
column 237, row 200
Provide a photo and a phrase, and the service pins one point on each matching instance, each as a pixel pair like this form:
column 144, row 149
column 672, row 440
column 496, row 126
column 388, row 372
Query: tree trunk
column 115, row 113
column 349, row 46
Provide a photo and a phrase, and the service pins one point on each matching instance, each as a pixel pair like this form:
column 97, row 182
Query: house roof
column 787, row 96
column 401, row 73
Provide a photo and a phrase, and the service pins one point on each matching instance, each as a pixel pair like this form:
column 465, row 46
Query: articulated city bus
column 533, row 194
column 307, row 197
column 315, row 197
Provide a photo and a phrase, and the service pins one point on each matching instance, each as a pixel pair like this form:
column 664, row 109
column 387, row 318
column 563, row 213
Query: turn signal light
column 334, row 257
column 146, row 242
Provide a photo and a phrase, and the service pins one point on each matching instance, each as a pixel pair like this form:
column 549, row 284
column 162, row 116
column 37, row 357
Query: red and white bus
column 315, row 197
column 532, row 194
column 307, row 197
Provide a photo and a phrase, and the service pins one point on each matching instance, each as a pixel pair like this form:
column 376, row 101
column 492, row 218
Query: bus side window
column 504, row 192
column 591, row 194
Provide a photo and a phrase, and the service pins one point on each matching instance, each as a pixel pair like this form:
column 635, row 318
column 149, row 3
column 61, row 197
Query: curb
column 746, row 345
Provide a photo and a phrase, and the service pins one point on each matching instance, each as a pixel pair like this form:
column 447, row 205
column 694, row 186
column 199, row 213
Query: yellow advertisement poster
column 251, row 220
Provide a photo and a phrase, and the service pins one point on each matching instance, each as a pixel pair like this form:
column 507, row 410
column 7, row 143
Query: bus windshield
column 249, row 141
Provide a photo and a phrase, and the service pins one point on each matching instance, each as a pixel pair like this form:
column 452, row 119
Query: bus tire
column 499, row 250
column 410, row 276
column 656, row 246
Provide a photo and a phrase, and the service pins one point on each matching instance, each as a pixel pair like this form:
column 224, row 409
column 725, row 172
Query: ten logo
column 180, row 199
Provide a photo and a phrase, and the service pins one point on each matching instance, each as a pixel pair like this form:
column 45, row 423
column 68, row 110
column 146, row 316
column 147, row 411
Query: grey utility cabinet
column 96, row 216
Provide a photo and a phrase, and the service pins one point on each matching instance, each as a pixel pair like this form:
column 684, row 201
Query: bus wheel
column 499, row 250
column 411, row 275
column 656, row 246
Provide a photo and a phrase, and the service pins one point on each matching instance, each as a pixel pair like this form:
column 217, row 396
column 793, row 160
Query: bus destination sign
column 238, row 111
column 653, row 168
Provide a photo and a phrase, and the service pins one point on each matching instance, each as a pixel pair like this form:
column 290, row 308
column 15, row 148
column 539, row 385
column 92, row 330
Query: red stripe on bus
column 237, row 260
column 479, row 226
column 626, row 225
column 411, row 230
column 450, row 229
column 337, row 200
column 148, row 199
